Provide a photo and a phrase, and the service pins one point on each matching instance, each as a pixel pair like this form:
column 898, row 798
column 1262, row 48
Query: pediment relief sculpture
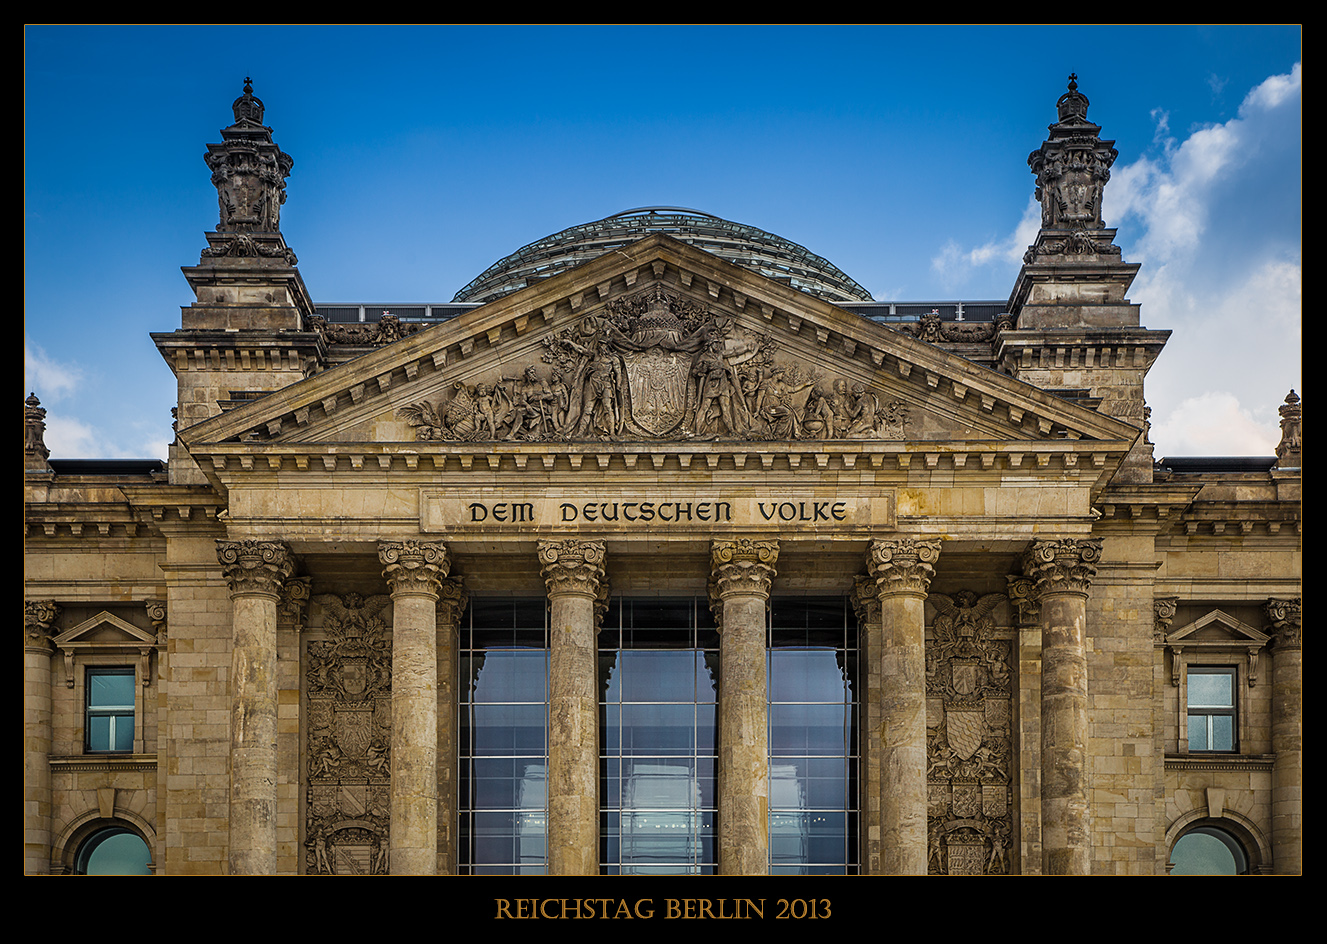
column 659, row 366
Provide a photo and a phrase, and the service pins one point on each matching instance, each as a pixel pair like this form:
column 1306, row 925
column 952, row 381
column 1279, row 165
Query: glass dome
column 770, row 255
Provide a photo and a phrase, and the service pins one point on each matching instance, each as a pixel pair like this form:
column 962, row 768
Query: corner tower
column 1077, row 334
column 246, row 334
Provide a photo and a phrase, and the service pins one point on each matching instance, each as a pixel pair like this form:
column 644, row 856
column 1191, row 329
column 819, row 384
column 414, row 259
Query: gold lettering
column 504, row 908
column 673, row 911
column 648, row 911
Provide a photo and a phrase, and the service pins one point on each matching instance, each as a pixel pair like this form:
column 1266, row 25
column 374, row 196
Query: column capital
column 255, row 568
column 1284, row 615
column 902, row 566
column 1163, row 614
column 1063, row 566
column 38, row 615
column 865, row 601
column 572, row 566
column 743, row 566
column 413, row 568
column 452, row 598
column 1025, row 598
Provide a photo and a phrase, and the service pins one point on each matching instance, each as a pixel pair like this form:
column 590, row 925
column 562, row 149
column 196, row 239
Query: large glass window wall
column 503, row 768
column 813, row 712
column 658, row 683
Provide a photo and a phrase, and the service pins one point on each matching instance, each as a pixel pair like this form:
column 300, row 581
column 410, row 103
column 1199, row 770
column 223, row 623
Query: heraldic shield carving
column 658, row 366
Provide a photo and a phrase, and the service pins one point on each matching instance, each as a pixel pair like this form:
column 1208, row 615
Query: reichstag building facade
column 662, row 548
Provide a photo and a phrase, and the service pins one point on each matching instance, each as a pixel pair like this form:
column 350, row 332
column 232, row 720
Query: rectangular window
column 1211, row 708
column 503, row 740
column 813, row 818
column 109, row 722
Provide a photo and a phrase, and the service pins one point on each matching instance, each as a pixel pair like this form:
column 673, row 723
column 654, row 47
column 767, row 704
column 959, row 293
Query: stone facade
column 1036, row 612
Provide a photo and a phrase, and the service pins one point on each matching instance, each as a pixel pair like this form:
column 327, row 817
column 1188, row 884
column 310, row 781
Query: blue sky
column 423, row 155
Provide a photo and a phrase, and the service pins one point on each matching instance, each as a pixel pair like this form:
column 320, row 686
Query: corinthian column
column 902, row 571
column 414, row 570
column 38, row 615
column 742, row 572
column 1062, row 572
column 573, row 571
column 451, row 604
column 256, row 572
column 1287, row 738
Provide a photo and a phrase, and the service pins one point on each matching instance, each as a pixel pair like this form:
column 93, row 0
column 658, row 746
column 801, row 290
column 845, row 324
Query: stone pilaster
column 452, row 600
column 414, row 570
column 1062, row 572
column 742, row 572
column 866, row 604
column 902, row 571
column 38, row 615
column 573, row 572
column 1287, row 737
column 256, row 572
column 1027, row 774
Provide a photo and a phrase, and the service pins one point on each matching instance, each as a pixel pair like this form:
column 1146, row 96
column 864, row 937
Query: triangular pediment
column 1218, row 630
column 105, row 630
column 657, row 343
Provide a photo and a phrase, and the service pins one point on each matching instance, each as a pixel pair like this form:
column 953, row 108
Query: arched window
column 1208, row 850
column 114, row 850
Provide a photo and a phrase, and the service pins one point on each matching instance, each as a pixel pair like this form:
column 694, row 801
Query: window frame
column 1210, row 712
column 113, row 712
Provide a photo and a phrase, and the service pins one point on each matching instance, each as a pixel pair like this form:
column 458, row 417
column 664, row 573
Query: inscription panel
column 496, row 510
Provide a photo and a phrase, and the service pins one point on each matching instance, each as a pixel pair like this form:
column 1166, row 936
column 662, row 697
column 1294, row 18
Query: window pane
column 112, row 688
column 1211, row 689
column 1223, row 733
column 1198, row 740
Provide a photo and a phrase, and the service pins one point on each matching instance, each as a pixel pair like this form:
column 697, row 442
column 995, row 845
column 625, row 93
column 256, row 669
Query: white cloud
column 1272, row 92
column 1213, row 423
column 48, row 378
column 954, row 263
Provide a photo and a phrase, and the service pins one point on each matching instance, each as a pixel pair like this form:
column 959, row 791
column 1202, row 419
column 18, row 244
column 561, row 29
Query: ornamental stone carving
column 255, row 567
column 658, row 367
column 1290, row 450
column 38, row 615
column 743, row 566
column 385, row 330
column 35, row 452
column 248, row 170
column 1163, row 614
column 572, row 566
column 413, row 567
column 902, row 566
column 1063, row 566
column 1023, row 595
column 348, row 686
column 969, row 743
column 1284, row 615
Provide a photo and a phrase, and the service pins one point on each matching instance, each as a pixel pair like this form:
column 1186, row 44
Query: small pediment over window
column 106, row 634
column 1215, row 633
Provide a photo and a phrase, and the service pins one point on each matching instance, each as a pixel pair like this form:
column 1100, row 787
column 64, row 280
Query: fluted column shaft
column 414, row 570
column 256, row 572
column 1063, row 572
column 573, row 572
column 742, row 572
column 1287, row 738
column 902, row 571
column 38, row 615
column 451, row 604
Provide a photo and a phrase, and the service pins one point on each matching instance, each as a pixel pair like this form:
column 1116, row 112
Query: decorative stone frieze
column 388, row 329
column 902, row 566
column 969, row 765
column 413, row 567
column 255, row 567
column 572, row 566
column 656, row 366
column 744, row 566
column 348, row 692
column 1063, row 566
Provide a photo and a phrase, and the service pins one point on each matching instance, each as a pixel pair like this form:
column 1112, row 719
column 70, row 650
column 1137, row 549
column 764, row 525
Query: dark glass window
column 658, row 683
column 1207, row 850
column 109, row 721
column 813, row 710
column 113, row 851
column 1211, row 708
column 502, row 736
